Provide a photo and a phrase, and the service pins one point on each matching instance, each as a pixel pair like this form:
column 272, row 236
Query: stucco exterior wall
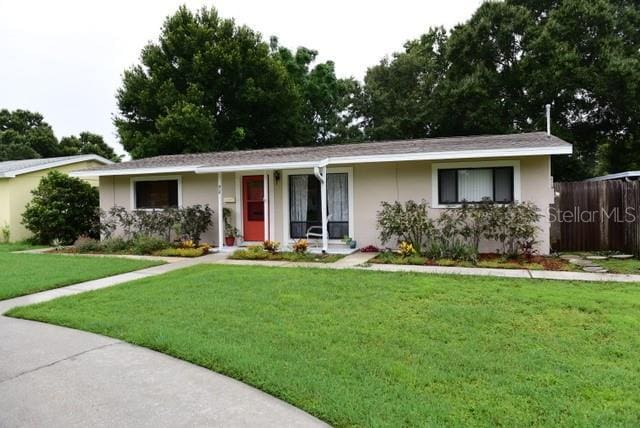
column 17, row 194
column 402, row 181
column 373, row 183
column 196, row 189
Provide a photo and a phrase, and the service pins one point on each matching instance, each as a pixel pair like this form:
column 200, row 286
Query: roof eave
column 342, row 160
column 82, row 158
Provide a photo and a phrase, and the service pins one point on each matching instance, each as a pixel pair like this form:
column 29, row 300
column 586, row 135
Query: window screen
column 156, row 194
column 475, row 185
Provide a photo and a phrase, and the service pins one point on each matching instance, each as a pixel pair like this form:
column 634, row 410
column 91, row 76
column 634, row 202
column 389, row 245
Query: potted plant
column 348, row 241
column 230, row 232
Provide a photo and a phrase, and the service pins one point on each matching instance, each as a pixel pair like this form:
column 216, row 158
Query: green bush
column 180, row 252
column 255, row 252
column 115, row 245
column 409, row 222
column 85, row 244
column 193, row 221
column 515, row 227
column 145, row 245
column 62, row 208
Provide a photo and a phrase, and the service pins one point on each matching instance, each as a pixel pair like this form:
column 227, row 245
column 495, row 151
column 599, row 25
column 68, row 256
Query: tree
column 88, row 143
column 495, row 73
column 24, row 135
column 207, row 85
column 62, row 208
column 328, row 101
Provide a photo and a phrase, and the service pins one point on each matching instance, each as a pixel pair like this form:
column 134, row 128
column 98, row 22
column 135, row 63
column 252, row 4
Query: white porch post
column 220, row 214
column 265, row 199
column 323, row 205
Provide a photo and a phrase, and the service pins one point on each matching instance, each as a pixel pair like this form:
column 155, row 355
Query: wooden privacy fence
column 596, row 216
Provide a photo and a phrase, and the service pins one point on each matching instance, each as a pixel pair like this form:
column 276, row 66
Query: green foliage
column 495, row 73
column 145, row 245
column 30, row 273
column 327, row 111
column 229, row 229
column 193, row 221
column 87, row 143
column 409, row 222
column 115, row 245
column 180, row 252
column 271, row 246
column 85, row 244
column 258, row 252
column 189, row 222
column 25, row 135
column 62, row 208
column 514, row 226
column 456, row 232
column 425, row 350
column 208, row 84
column 253, row 252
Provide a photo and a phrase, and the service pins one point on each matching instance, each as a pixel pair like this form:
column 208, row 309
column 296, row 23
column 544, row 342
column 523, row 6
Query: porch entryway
column 253, row 207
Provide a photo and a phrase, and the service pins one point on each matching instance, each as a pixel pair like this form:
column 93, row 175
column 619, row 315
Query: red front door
column 253, row 207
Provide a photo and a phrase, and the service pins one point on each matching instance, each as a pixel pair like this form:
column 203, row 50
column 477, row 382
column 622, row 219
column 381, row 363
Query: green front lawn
column 620, row 266
column 359, row 348
column 22, row 274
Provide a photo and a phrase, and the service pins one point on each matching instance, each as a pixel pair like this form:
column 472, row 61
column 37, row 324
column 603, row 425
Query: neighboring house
column 19, row 178
column 626, row 176
column 279, row 193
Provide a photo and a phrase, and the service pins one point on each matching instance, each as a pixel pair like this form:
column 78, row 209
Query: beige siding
column 196, row 189
column 373, row 183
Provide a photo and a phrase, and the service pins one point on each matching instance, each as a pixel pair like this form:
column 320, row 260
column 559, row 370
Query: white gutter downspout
column 220, row 214
column 321, row 174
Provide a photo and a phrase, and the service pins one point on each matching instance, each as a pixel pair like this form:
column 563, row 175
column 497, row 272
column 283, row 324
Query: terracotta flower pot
column 229, row 241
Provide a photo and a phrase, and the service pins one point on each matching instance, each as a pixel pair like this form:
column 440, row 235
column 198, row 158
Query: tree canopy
column 495, row 73
column 87, row 143
column 208, row 84
column 25, row 135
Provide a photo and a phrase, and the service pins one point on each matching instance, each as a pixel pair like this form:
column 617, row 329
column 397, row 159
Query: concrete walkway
column 58, row 377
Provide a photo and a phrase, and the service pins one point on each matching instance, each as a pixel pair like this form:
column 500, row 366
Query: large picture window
column 305, row 209
column 156, row 194
column 471, row 185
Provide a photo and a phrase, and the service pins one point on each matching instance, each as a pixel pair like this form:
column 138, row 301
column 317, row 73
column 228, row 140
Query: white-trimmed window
column 156, row 193
column 472, row 182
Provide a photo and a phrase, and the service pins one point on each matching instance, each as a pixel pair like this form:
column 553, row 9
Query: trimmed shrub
column 145, row 245
column 409, row 222
column 85, row 244
column 115, row 245
column 514, row 226
column 62, row 208
column 180, row 252
column 193, row 221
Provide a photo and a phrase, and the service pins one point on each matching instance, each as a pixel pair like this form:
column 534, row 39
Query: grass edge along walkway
column 372, row 348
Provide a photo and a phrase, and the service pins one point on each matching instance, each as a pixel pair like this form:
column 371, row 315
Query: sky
column 65, row 58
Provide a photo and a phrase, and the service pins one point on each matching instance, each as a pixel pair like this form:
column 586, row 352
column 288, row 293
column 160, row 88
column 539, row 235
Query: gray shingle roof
column 318, row 153
column 11, row 168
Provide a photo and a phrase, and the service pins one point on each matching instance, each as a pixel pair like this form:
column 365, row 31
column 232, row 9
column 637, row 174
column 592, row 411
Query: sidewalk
column 360, row 261
column 59, row 377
